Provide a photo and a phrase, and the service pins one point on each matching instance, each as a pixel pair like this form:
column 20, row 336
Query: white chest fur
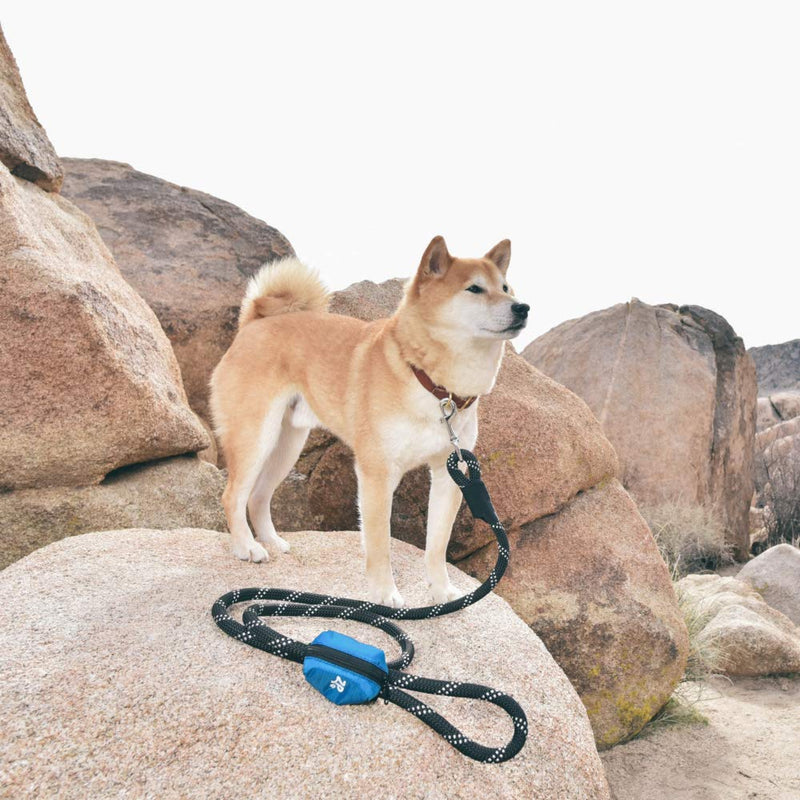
column 424, row 438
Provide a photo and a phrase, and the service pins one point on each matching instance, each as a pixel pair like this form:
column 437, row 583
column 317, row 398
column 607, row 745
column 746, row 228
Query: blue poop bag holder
column 347, row 671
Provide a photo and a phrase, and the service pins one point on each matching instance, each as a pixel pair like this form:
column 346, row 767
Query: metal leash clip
column 449, row 409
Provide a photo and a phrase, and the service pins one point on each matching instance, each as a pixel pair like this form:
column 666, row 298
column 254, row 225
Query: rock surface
column 24, row 146
column 777, row 366
column 786, row 404
column 775, row 575
column 368, row 300
column 766, row 438
column 754, row 638
column 777, row 408
column 766, row 415
column 675, row 392
column 188, row 254
column 161, row 703
column 88, row 381
column 589, row 581
column 175, row 492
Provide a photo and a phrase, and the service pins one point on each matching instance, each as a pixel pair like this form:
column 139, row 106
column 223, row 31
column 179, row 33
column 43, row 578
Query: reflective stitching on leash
column 283, row 602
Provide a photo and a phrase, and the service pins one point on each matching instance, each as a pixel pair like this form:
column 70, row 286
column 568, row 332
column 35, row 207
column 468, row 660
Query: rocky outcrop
column 675, row 392
column 188, row 254
column 777, row 408
column 368, row 300
column 777, row 367
column 162, row 703
column 751, row 637
column 588, row 582
column 766, row 415
column 545, row 462
column 24, row 146
column 786, row 405
column 769, row 436
column 775, row 575
column 176, row 492
column 88, row 381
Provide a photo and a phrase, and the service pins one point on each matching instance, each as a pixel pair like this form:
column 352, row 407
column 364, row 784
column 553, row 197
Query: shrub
column 781, row 497
column 689, row 536
column 706, row 660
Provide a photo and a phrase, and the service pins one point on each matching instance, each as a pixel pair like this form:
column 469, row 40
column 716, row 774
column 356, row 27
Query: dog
column 378, row 386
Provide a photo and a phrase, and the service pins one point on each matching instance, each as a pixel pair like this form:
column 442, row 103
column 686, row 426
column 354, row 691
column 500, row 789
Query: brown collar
column 439, row 391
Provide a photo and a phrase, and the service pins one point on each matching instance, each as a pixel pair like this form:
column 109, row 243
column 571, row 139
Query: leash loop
column 272, row 602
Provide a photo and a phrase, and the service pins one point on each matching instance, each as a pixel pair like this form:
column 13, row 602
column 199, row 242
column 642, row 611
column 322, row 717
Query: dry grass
column 690, row 537
column 706, row 660
column 781, row 498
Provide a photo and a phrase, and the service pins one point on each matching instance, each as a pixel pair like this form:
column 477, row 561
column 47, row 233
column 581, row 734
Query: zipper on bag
column 347, row 661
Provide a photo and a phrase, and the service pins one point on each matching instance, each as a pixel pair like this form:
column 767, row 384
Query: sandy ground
column 750, row 748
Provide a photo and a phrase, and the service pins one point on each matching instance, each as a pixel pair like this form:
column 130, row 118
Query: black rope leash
column 288, row 603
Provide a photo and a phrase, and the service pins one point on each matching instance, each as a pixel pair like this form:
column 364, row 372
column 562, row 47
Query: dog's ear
column 435, row 260
column 500, row 255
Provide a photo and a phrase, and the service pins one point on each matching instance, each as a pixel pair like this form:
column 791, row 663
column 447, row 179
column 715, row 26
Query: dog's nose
column 521, row 309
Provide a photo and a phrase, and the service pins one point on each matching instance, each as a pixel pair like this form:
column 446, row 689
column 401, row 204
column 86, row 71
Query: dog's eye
column 505, row 288
column 475, row 289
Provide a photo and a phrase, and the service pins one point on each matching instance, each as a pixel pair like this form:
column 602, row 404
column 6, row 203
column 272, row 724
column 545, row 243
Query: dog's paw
column 273, row 540
column 445, row 593
column 386, row 596
column 249, row 551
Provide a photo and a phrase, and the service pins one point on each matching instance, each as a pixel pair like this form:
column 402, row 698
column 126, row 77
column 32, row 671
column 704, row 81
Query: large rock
column 24, row 146
column 187, row 253
column 368, row 300
column 777, row 408
column 777, row 366
column 116, row 682
column 675, row 392
column 766, row 415
column 775, row 575
column 752, row 638
column 538, row 445
column 88, row 380
column 175, row 492
column 589, row 581
column 766, row 438
column 786, row 404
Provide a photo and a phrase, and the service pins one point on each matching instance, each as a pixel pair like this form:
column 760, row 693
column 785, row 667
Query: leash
column 347, row 671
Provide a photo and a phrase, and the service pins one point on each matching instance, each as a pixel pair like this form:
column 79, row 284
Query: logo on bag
column 338, row 684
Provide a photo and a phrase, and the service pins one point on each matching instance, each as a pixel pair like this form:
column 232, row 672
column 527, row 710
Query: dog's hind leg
column 276, row 467
column 246, row 450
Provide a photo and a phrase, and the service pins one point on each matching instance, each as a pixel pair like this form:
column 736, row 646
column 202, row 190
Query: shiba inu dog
column 378, row 386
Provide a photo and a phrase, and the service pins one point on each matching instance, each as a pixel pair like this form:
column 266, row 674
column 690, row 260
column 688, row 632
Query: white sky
column 626, row 149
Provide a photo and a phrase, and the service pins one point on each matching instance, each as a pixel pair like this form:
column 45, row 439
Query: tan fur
column 283, row 287
column 286, row 372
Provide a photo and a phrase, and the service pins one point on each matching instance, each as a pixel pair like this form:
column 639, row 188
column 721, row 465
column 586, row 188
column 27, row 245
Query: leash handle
column 451, row 734
column 291, row 603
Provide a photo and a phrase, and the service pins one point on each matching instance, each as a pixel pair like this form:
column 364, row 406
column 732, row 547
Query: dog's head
column 468, row 295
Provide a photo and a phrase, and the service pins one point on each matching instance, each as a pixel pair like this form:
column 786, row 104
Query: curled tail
column 282, row 287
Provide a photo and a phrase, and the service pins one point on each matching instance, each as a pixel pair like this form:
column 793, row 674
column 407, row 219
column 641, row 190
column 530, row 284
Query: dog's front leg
column 375, row 490
column 443, row 504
